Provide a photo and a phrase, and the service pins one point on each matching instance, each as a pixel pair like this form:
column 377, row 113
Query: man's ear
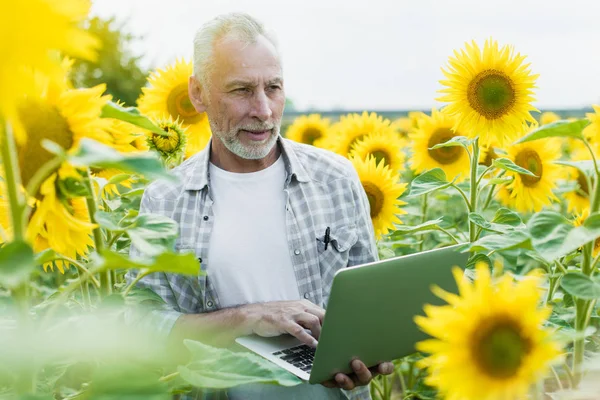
column 195, row 92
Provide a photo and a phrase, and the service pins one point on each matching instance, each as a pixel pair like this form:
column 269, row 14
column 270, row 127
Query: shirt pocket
column 335, row 256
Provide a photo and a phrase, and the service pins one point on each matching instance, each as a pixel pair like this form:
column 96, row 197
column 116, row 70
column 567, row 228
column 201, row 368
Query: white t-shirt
column 250, row 261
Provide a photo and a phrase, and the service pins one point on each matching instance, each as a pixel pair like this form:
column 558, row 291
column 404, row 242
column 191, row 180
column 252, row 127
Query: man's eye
column 241, row 90
column 275, row 87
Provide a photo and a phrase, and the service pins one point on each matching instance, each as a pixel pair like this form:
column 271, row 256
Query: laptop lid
column 371, row 308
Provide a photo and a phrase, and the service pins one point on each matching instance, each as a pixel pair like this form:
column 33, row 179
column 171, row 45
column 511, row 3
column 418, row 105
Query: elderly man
column 254, row 207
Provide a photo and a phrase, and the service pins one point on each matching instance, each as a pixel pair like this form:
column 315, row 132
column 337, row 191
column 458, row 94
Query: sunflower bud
column 171, row 145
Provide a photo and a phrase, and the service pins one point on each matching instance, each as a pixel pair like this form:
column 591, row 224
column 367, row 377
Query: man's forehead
column 239, row 60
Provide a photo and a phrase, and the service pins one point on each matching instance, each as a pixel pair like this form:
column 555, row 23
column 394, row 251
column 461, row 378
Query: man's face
column 245, row 97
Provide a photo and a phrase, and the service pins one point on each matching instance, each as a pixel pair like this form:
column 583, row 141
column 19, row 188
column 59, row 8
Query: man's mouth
column 257, row 135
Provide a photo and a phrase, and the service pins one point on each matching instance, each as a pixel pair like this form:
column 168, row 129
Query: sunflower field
column 517, row 188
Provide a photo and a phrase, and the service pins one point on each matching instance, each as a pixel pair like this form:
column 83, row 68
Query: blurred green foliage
column 116, row 65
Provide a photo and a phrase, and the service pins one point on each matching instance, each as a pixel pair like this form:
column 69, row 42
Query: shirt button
column 200, row 259
column 296, row 252
column 209, row 303
column 306, row 295
column 206, row 218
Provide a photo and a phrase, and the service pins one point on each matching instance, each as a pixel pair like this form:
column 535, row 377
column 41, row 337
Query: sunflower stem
column 423, row 218
column 463, row 195
column 105, row 281
column 12, row 175
column 587, row 144
column 474, row 187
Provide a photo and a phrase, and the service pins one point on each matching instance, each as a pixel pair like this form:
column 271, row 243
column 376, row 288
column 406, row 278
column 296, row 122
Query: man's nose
column 261, row 106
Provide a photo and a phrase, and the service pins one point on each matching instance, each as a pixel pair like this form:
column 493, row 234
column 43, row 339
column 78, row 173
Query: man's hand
column 361, row 376
column 279, row 317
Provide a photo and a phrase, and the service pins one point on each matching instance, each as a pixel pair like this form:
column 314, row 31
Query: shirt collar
column 199, row 176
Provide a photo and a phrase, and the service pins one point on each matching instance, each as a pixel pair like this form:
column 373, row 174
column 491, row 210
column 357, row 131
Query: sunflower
column 351, row 128
column 171, row 147
column 33, row 32
column 578, row 200
column 167, row 97
column 488, row 341
column 309, row 129
column 384, row 146
column 383, row 188
column 402, row 126
column 60, row 223
column 434, row 130
column 62, row 115
column 578, row 221
column 415, row 117
column 548, row 117
column 531, row 193
column 592, row 131
column 489, row 91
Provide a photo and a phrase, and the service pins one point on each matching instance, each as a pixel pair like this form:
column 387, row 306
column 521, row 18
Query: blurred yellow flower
column 454, row 160
column 61, row 224
column 62, row 115
column 403, row 126
column 578, row 200
column 383, row 189
column 384, row 146
column 592, row 131
column 308, row 129
column 350, row 129
column 548, row 117
column 490, row 92
column 167, row 97
column 32, row 33
column 532, row 193
column 488, row 342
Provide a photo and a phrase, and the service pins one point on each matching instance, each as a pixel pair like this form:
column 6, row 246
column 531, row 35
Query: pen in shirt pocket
column 326, row 237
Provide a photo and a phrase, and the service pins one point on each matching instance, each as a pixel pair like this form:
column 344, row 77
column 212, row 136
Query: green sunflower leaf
column 499, row 242
column 217, row 368
column 403, row 230
column 586, row 167
column 131, row 115
column 16, row 263
column 90, row 153
column 152, row 234
column 581, row 286
column 108, row 220
column 477, row 258
column 480, row 221
column 429, row 181
column 118, row 179
column 562, row 128
column 506, row 216
column 178, row 263
column 508, row 165
column 455, row 141
column 501, row 180
column 553, row 236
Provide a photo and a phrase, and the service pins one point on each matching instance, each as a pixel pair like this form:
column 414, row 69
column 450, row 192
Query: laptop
column 369, row 315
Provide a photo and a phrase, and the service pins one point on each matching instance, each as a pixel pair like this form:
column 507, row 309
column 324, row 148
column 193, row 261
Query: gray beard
column 260, row 151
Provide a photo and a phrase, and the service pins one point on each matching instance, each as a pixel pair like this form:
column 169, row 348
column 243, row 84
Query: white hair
column 235, row 25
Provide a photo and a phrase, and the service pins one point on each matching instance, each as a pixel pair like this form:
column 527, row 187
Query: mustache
column 257, row 126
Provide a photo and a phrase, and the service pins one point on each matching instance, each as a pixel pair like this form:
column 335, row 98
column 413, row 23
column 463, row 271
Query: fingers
column 298, row 331
column 363, row 375
column 311, row 322
column 385, row 368
column 320, row 313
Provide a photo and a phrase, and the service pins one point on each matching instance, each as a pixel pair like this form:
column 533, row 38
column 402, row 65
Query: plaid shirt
column 322, row 189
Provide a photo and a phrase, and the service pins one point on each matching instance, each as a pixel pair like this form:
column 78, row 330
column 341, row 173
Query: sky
column 386, row 54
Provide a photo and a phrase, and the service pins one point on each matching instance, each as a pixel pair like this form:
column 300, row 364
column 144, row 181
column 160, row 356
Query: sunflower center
column 41, row 121
column 490, row 156
column 310, row 135
column 491, row 93
column 530, row 160
column 443, row 155
column 584, row 190
column 180, row 106
column 375, row 196
column 381, row 155
column 355, row 140
column 499, row 348
column 166, row 144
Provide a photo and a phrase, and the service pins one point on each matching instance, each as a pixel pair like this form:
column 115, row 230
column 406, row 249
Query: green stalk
column 423, row 218
column 25, row 382
column 473, row 201
column 105, row 278
column 582, row 316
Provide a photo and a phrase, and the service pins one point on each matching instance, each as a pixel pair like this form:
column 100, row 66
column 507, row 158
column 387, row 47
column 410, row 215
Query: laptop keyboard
column 300, row 356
